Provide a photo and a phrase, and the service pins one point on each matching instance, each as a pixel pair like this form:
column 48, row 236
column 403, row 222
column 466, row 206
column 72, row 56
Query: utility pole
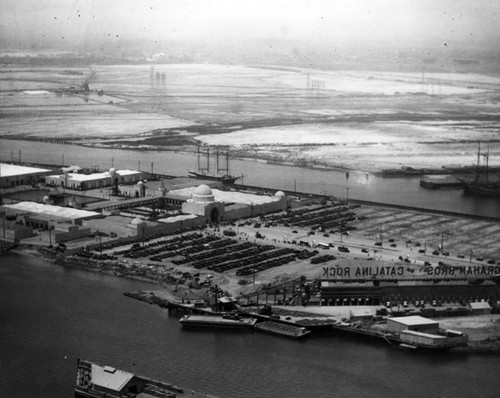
column 3, row 218
column 100, row 241
column 50, row 234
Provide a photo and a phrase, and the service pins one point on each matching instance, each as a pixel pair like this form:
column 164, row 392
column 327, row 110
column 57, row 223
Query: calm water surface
column 50, row 315
column 364, row 186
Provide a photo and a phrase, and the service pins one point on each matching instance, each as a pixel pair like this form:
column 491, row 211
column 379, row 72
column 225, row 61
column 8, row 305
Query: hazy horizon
column 78, row 25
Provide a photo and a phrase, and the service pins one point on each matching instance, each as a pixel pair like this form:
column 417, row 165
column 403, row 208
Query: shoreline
column 389, row 172
column 486, row 346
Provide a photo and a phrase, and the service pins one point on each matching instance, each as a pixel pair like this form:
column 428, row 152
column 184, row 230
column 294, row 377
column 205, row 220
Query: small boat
column 229, row 321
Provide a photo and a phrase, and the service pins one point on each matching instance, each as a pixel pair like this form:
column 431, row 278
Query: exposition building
column 83, row 181
column 12, row 175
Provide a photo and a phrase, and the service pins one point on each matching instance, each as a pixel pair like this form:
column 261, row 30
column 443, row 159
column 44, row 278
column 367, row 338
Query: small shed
column 115, row 382
column 362, row 313
column 415, row 322
column 481, row 308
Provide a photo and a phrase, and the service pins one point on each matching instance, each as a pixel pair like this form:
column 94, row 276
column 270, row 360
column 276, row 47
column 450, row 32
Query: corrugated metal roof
column 110, row 378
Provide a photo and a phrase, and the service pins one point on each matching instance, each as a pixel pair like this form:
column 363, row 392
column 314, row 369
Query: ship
column 479, row 186
column 203, row 168
column 225, row 179
column 226, row 321
column 101, row 381
column 482, row 189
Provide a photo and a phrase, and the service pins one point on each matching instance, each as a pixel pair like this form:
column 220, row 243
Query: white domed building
column 138, row 226
column 203, row 203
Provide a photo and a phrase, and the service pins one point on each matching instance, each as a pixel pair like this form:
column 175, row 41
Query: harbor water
column 359, row 185
column 50, row 315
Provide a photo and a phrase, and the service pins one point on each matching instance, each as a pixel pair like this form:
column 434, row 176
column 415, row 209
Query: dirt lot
column 458, row 235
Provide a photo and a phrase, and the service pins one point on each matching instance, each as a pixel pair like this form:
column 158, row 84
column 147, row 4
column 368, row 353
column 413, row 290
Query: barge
column 283, row 329
column 217, row 321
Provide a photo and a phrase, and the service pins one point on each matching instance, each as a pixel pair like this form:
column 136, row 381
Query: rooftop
column 10, row 170
column 88, row 177
column 110, row 378
column 50, row 210
column 180, row 217
column 127, row 172
column 229, row 196
column 413, row 320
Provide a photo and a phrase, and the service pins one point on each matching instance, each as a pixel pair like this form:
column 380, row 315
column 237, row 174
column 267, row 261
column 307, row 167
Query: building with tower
column 203, row 203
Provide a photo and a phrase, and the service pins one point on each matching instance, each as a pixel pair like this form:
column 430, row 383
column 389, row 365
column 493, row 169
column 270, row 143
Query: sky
column 341, row 22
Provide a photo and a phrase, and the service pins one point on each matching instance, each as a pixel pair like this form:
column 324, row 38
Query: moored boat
column 225, row 179
column 283, row 329
column 218, row 321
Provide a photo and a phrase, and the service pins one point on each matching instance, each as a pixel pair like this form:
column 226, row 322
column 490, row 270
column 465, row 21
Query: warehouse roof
column 480, row 305
column 51, row 210
column 413, row 320
column 89, row 177
column 110, row 378
column 10, row 170
column 127, row 172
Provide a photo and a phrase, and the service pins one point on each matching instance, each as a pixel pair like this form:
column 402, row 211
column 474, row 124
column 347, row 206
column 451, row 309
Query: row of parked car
column 324, row 217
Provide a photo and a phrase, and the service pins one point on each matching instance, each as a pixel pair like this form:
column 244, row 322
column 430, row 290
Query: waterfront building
column 228, row 205
column 202, row 203
column 40, row 215
column 13, row 175
column 94, row 180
